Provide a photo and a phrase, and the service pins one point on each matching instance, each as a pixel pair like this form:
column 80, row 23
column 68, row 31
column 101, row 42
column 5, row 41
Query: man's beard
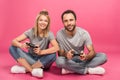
column 72, row 29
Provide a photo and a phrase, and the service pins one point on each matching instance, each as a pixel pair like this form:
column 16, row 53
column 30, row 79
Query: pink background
column 100, row 17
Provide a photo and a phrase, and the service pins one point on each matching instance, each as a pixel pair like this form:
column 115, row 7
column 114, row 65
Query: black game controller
column 75, row 53
column 76, row 56
column 32, row 45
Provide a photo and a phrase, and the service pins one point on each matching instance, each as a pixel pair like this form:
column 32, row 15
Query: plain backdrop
column 100, row 17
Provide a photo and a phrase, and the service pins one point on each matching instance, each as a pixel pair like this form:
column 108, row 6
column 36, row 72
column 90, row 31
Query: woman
column 39, row 56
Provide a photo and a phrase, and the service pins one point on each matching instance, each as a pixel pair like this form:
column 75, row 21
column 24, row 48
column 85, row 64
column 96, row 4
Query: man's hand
column 82, row 56
column 69, row 54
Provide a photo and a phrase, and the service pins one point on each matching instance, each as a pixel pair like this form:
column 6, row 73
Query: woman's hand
column 24, row 46
column 37, row 50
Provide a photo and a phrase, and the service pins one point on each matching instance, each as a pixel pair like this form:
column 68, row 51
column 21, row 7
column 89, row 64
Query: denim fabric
column 46, row 60
column 80, row 66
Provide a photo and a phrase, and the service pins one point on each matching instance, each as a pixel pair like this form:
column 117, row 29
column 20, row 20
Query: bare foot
column 37, row 64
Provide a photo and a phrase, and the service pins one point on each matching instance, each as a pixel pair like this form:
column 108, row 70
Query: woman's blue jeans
column 46, row 60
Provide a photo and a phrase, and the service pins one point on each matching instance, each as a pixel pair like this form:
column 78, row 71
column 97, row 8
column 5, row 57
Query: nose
column 68, row 23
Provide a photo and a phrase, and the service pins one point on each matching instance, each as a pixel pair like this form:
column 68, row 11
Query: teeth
column 42, row 25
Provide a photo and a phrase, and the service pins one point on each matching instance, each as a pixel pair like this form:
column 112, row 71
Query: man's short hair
column 67, row 12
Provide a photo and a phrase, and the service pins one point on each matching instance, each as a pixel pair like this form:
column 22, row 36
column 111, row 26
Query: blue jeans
column 46, row 60
column 79, row 66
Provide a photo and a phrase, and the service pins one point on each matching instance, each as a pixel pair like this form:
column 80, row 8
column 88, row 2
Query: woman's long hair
column 36, row 28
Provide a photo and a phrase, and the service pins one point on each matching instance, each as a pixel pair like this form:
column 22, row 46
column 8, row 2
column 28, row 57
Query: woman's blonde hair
column 36, row 29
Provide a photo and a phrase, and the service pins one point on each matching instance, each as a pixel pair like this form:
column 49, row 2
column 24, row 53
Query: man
column 72, row 40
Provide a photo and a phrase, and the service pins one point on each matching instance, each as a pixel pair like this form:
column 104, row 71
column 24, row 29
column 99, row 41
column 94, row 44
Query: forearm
column 49, row 50
column 16, row 43
column 90, row 55
column 17, row 40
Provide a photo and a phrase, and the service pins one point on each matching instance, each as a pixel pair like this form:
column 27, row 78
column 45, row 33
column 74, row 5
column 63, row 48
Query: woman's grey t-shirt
column 43, row 42
column 77, row 42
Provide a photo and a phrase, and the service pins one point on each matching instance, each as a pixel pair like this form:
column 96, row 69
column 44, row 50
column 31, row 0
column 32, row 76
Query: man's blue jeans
column 81, row 66
column 46, row 60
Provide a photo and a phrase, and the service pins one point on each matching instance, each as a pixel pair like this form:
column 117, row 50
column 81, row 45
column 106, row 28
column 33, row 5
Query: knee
column 59, row 61
column 11, row 48
column 103, row 57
